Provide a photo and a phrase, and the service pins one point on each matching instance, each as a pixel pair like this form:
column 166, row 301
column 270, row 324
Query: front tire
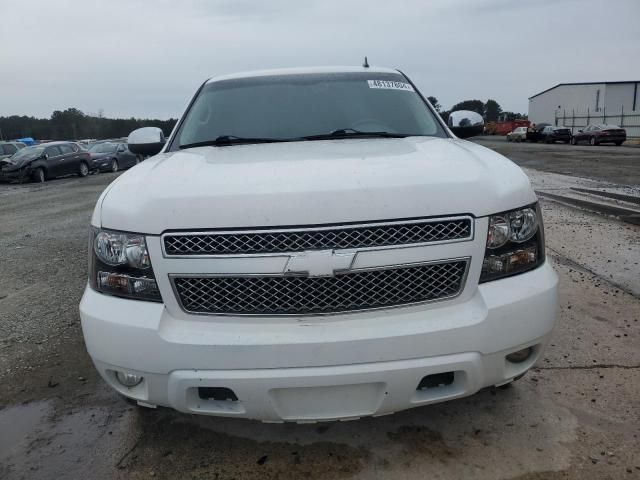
column 114, row 165
column 573, row 141
column 592, row 141
column 83, row 170
column 38, row 175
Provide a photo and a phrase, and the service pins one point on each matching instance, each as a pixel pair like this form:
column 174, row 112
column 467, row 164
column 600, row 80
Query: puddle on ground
column 39, row 442
column 20, row 423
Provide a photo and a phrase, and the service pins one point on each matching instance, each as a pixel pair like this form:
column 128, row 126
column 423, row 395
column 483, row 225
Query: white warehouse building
column 577, row 105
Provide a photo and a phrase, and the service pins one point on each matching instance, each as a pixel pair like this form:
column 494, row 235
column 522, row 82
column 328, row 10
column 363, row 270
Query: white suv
column 315, row 244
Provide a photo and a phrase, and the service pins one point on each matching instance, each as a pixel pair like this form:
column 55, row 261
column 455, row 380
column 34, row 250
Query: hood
column 311, row 183
column 9, row 164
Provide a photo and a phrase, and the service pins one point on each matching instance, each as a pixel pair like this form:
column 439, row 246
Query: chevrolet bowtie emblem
column 319, row 263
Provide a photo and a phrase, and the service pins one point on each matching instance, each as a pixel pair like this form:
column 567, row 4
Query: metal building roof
column 582, row 83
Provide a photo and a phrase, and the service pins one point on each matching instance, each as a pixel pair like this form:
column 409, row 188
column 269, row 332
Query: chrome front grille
column 301, row 295
column 318, row 238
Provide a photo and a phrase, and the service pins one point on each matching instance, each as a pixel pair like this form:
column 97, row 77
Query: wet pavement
column 575, row 415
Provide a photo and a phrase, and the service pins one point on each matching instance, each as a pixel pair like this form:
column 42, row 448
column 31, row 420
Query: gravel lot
column 576, row 415
column 603, row 162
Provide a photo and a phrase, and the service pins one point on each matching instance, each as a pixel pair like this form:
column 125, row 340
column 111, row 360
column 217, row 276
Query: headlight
column 515, row 243
column 114, row 248
column 119, row 265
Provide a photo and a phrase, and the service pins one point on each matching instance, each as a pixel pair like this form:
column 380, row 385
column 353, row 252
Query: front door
column 54, row 161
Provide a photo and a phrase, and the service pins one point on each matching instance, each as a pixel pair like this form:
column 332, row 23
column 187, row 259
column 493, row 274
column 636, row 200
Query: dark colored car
column 46, row 161
column 534, row 132
column 9, row 148
column 111, row 157
column 601, row 133
column 551, row 134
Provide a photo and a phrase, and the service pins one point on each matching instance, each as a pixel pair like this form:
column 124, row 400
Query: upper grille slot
column 295, row 240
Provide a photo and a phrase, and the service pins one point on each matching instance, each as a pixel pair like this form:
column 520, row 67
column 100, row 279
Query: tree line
column 72, row 124
column 490, row 110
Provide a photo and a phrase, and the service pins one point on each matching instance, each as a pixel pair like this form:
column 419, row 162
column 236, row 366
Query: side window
column 8, row 149
column 66, row 149
column 52, row 151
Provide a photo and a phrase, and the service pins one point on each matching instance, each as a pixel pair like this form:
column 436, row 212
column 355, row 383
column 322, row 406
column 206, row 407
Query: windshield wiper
column 353, row 133
column 225, row 140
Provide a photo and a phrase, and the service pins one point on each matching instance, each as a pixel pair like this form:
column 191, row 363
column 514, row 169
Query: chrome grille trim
column 271, row 294
column 363, row 236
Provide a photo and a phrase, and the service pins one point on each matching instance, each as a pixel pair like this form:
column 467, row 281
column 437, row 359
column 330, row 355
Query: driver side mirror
column 465, row 123
column 579, row 131
column 146, row 141
column 45, row 156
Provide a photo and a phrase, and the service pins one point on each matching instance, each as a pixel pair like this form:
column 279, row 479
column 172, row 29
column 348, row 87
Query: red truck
column 502, row 128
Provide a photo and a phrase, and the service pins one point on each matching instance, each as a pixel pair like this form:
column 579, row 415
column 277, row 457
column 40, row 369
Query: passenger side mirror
column 579, row 131
column 45, row 156
column 146, row 141
column 465, row 123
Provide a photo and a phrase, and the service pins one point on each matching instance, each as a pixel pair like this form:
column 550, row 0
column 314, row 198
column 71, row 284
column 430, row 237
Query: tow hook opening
column 219, row 394
column 436, row 380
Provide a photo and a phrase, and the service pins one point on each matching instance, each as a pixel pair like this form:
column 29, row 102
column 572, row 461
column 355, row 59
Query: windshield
column 27, row 153
column 294, row 106
column 103, row 148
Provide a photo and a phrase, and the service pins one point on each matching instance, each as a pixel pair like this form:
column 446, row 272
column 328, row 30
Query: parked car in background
column 111, row 157
column 534, row 132
column 552, row 134
column 43, row 162
column 518, row 135
column 600, row 133
column 9, row 148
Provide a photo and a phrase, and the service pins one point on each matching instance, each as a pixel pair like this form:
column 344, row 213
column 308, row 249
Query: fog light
column 128, row 379
column 520, row 356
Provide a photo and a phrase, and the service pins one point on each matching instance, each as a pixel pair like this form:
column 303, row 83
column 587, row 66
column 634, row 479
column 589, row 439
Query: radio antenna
column 366, row 63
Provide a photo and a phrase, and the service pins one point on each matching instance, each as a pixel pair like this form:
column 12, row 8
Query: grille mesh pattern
column 282, row 295
column 338, row 238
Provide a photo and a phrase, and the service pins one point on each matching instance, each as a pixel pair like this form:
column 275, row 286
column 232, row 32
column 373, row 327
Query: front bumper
column 322, row 368
column 17, row 174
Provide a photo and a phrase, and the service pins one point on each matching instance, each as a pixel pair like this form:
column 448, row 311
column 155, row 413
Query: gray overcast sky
column 145, row 58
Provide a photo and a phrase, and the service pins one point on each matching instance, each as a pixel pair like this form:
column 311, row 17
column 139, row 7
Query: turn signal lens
column 502, row 265
column 126, row 285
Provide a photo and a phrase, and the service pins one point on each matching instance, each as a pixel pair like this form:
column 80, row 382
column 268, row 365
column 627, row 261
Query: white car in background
column 519, row 134
column 315, row 244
